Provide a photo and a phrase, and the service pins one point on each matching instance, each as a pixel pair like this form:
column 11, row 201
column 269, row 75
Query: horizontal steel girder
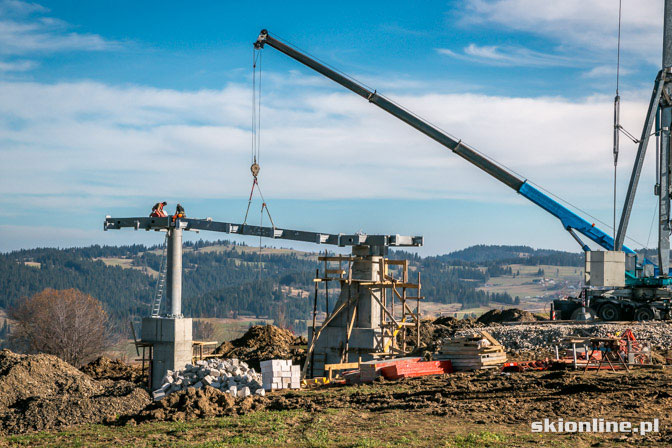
column 266, row 232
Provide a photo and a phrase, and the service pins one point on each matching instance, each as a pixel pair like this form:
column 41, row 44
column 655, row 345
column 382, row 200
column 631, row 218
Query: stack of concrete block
column 230, row 376
column 280, row 374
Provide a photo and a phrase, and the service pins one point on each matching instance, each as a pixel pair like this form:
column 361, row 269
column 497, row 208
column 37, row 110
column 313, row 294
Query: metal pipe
column 174, row 273
column 667, row 35
column 651, row 115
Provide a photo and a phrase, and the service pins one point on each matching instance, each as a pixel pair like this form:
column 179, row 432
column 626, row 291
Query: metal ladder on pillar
column 161, row 282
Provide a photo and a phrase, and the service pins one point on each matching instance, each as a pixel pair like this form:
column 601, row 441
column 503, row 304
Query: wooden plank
column 342, row 366
column 489, row 337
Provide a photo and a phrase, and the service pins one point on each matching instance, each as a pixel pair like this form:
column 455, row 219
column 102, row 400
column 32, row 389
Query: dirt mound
column 193, row 403
column 263, row 342
column 432, row 332
column 105, row 368
column 509, row 315
column 40, row 392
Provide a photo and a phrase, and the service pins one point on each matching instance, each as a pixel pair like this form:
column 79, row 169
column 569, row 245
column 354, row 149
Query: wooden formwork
column 390, row 290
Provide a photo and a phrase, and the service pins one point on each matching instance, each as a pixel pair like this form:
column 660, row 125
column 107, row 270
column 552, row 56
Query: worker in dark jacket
column 157, row 210
column 179, row 212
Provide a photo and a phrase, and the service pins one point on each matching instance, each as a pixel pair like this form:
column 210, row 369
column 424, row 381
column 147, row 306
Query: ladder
column 160, row 283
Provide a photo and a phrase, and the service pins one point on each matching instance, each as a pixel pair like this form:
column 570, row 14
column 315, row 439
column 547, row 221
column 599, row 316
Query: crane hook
column 255, row 169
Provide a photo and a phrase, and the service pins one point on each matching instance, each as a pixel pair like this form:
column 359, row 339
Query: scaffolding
column 390, row 290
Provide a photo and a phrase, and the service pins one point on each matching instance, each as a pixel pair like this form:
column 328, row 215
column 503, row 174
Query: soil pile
column 433, row 332
column 105, row 368
column 264, row 342
column 193, row 403
column 509, row 315
column 40, row 392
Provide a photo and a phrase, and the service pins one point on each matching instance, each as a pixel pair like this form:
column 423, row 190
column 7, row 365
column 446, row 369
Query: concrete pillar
column 172, row 341
column 366, row 329
column 174, row 273
column 368, row 309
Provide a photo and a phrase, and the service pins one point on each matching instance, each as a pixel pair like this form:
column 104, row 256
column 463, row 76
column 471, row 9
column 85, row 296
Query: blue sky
column 107, row 107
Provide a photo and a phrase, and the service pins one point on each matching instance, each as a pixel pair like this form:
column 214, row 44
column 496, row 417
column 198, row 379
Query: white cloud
column 16, row 66
column 97, row 142
column 509, row 56
column 577, row 25
column 25, row 30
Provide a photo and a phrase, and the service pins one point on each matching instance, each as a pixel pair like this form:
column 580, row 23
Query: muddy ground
column 488, row 399
column 492, row 398
column 492, row 408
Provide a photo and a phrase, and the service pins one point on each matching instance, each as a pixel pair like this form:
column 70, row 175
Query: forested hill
column 515, row 254
column 222, row 279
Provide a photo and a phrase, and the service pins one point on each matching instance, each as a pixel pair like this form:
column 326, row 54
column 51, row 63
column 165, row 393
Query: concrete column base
column 172, row 341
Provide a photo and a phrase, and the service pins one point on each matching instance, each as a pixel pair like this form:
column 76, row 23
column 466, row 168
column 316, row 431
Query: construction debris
column 41, row 392
column 280, row 374
column 537, row 336
column 262, row 343
column 191, row 403
column 230, row 376
column 478, row 351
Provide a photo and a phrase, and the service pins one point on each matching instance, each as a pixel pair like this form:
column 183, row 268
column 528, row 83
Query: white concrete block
column 233, row 390
column 158, row 394
column 261, row 392
column 244, row 392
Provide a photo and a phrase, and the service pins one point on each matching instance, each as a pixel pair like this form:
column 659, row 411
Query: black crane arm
column 457, row 147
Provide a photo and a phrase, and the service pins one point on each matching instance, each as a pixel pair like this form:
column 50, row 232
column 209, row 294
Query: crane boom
column 570, row 220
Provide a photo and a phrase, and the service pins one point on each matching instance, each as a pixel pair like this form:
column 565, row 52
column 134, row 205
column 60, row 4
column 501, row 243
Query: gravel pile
column 524, row 337
column 230, row 376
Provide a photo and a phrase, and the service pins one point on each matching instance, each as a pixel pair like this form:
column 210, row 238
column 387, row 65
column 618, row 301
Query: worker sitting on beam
column 179, row 212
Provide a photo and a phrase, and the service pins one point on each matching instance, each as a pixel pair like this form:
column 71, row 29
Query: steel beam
column 340, row 239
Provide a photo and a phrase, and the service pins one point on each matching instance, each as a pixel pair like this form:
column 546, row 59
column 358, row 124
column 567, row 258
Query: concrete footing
column 172, row 342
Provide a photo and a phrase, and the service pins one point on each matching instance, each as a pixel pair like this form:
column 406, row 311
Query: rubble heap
column 524, row 337
column 230, row 376
column 190, row 404
column 264, row 342
column 41, row 392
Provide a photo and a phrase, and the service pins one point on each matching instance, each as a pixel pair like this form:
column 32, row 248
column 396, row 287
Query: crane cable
column 256, row 137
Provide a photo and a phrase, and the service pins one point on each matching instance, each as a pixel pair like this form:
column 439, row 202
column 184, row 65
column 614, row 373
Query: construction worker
column 179, row 212
column 157, row 210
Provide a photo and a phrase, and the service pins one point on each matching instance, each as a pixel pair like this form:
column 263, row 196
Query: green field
column 331, row 427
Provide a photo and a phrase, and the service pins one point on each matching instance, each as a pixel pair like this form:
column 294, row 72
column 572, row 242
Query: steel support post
column 665, row 123
column 174, row 273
